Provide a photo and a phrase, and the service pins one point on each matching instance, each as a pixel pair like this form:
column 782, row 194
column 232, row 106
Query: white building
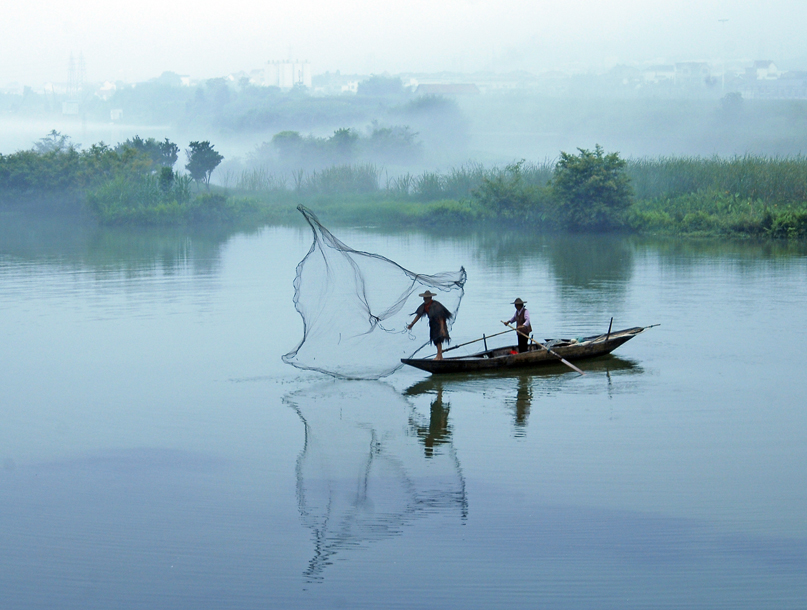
column 765, row 70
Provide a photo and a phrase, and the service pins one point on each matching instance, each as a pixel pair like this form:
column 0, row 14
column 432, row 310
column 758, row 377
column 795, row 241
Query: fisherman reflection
column 523, row 403
column 438, row 431
column 361, row 477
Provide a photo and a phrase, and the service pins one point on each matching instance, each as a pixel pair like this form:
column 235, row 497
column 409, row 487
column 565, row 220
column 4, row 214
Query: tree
column 397, row 144
column 54, row 142
column 202, row 160
column 731, row 106
column 288, row 144
column 342, row 145
column 382, row 86
column 591, row 189
column 169, row 153
column 163, row 154
column 219, row 91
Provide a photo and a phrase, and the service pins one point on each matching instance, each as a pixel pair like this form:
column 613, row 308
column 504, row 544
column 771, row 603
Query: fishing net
column 356, row 305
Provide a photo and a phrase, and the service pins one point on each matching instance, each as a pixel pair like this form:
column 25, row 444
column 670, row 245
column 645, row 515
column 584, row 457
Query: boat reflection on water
column 362, row 476
column 545, row 380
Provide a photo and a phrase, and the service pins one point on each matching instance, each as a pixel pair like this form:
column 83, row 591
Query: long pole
column 556, row 355
column 482, row 338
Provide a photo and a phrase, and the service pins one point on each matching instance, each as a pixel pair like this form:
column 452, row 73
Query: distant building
column 763, row 70
column 116, row 114
column 692, row 73
column 70, row 107
column 447, row 89
column 659, row 74
column 788, row 86
column 287, row 74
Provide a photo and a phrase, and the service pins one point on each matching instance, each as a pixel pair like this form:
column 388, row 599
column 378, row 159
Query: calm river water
column 156, row 452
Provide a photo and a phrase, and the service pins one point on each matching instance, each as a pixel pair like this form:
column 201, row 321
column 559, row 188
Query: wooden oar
column 556, row 355
column 448, row 349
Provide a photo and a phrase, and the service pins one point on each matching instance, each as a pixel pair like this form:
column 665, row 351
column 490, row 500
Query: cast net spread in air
column 356, row 305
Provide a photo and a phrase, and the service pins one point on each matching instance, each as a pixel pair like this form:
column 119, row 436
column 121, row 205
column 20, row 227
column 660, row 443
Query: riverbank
column 700, row 214
column 747, row 196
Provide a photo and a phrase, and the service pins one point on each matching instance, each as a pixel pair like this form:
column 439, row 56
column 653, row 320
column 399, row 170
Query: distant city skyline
column 138, row 41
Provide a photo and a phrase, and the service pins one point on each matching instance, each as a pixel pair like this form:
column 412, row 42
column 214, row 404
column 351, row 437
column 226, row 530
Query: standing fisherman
column 438, row 319
column 522, row 320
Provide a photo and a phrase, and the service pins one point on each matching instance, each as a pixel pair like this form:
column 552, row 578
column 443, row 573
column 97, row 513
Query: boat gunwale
column 588, row 347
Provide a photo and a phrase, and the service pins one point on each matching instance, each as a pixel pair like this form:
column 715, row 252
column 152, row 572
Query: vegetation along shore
column 134, row 183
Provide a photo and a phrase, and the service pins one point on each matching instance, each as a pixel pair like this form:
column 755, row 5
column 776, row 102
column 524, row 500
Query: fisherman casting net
column 356, row 305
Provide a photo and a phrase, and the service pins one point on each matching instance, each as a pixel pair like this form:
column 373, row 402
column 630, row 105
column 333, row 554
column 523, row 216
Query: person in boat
column 523, row 326
column 438, row 321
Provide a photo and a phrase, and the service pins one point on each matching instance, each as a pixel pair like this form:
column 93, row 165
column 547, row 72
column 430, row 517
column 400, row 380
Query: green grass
column 747, row 196
column 742, row 197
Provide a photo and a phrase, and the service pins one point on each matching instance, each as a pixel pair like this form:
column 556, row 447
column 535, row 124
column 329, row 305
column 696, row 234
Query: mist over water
column 494, row 129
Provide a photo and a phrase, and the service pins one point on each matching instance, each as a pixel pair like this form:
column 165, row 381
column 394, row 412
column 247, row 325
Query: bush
column 140, row 200
column 789, row 224
column 591, row 190
column 507, row 196
column 342, row 179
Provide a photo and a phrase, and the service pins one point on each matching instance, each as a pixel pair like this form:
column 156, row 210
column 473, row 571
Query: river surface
column 157, row 453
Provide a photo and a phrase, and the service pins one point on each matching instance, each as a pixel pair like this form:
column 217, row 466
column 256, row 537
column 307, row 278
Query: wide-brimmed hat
column 518, row 302
column 428, row 293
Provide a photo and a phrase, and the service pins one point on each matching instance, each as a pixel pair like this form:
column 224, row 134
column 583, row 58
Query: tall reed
column 773, row 180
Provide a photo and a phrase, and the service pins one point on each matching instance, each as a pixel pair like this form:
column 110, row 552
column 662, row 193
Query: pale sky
column 140, row 39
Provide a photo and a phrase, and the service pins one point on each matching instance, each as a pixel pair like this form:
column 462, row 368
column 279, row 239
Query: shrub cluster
column 290, row 151
column 132, row 183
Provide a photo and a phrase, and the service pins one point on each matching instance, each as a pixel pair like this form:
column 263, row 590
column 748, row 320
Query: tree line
column 54, row 163
column 591, row 190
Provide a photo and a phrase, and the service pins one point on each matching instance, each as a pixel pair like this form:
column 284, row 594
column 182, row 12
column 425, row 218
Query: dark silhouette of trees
column 161, row 154
column 202, row 160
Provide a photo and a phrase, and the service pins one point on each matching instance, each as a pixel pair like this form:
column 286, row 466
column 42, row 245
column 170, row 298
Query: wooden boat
column 509, row 358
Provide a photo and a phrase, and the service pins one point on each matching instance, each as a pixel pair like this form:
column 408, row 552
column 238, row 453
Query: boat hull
column 505, row 358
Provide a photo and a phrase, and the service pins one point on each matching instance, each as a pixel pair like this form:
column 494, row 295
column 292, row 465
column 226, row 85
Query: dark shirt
column 438, row 317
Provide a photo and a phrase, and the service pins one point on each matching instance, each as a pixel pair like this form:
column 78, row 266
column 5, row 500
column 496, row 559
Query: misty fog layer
column 395, row 127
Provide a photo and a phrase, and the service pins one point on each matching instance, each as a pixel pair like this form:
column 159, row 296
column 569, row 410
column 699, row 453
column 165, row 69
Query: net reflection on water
column 363, row 475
